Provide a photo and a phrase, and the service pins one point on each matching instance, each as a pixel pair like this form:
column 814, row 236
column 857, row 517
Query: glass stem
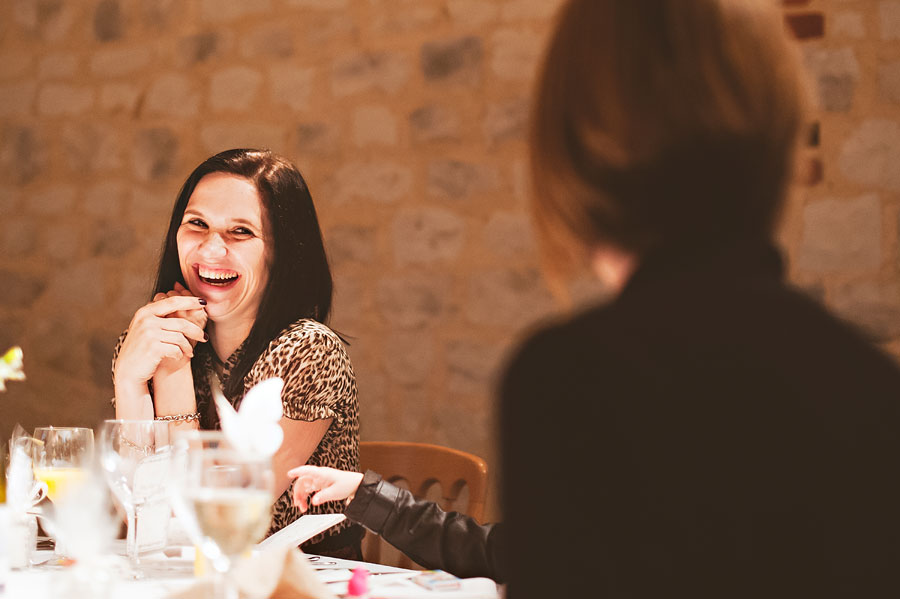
column 131, row 546
column 223, row 585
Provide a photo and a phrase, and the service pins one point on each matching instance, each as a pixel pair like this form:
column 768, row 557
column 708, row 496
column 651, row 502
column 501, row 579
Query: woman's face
column 224, row 247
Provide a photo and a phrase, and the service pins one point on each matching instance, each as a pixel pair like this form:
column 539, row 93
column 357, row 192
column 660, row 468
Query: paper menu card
column 300, row 530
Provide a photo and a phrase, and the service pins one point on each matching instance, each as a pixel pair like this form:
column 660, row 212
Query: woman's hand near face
column 154, row 336
column 195, row 315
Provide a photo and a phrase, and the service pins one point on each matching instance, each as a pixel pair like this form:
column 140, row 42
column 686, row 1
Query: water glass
column 61, row 458
column 225, row 497
column 135, row 458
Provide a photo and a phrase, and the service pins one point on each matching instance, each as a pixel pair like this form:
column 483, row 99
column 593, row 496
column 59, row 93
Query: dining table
column 172, row 574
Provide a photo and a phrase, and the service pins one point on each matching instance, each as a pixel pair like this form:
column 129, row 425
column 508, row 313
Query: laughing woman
column 242, row 295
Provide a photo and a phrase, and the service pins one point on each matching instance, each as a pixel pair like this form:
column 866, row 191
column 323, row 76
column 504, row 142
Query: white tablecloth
column 167, row 574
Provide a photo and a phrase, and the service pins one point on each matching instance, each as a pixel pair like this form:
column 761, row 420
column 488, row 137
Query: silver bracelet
column 180, row 417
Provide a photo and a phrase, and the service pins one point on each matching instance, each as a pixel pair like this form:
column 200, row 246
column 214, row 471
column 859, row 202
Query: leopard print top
column 318, row 383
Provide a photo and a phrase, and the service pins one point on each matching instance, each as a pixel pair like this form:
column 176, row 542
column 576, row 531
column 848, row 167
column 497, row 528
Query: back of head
column 664, row 121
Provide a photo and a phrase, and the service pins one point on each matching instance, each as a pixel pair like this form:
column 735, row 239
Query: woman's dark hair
column 300, row 283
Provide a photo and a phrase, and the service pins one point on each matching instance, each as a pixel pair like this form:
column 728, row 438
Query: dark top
column 709, row 433
column 431, row 537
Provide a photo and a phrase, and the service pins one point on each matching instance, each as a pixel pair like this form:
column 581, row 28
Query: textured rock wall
column 842, row 234
column 408, row 119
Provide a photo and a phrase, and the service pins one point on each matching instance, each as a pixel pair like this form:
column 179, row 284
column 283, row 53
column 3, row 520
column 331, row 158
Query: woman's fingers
column 188, row 329
column 175, row 345
column 198, row 316
column 157, row 334
column 167, row 305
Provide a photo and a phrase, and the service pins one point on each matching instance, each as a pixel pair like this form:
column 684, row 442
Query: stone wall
column 842, row 234
column 408, row 119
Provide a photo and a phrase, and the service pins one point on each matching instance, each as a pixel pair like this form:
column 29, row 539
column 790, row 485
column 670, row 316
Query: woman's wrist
column 171, row 367
column 174, row 392
column 133, row 401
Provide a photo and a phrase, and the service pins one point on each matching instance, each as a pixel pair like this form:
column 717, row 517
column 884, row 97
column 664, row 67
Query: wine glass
column 225, row 497
column 135, row 456
column 61, row 457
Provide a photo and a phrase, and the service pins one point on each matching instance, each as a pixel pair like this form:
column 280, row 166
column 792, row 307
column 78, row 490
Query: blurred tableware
column 23, row 494
column 225, row 497
column 4, row 535
column 135, row 458
column 61, row 457
column 3, row 462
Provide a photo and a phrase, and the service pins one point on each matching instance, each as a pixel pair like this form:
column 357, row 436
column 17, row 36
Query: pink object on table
column 358, row 586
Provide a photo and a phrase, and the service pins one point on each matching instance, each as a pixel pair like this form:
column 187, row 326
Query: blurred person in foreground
column 709, row 431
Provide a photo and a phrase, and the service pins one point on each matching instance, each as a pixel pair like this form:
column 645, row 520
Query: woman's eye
column 196, row 222
column 242, row 232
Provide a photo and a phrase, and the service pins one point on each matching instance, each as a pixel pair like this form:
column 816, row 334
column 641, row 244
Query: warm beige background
column 408, row 119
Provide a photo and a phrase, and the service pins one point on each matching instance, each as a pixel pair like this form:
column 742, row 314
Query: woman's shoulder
column 306, row 353
column 307, row 332
column 306, row 337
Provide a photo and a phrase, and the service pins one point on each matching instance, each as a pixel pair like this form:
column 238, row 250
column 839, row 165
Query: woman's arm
column 300, row 441
column 316, row 371
column 173, row 381
column 174, row 395
column 154, row 336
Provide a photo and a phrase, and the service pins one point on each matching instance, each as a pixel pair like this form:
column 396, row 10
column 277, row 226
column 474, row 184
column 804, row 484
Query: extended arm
column 430, row 536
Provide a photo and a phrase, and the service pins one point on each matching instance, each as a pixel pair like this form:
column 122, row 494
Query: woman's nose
column 213, row 246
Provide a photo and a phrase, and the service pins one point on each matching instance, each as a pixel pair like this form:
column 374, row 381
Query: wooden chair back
column 421, row 466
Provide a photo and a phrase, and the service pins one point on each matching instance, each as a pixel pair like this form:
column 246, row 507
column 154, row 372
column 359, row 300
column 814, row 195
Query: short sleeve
column 315, row 367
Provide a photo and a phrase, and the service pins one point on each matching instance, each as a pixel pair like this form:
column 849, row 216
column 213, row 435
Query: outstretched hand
column 324, row 484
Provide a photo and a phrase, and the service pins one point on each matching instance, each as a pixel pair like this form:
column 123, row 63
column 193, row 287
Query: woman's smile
column 217, row 277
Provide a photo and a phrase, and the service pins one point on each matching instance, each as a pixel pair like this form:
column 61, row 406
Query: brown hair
column 663, row 121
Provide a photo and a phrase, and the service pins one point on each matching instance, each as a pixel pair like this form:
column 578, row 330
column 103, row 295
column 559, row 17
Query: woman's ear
column 613, row 266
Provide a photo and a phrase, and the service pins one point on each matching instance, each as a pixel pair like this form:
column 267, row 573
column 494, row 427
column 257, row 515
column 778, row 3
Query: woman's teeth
column 213, row 277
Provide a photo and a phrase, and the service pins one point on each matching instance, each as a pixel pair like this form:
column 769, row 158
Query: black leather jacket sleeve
column 433, row 538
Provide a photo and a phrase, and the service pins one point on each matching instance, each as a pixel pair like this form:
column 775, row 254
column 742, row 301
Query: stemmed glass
column 135, row 457
column 61, row 457
column 226, row 498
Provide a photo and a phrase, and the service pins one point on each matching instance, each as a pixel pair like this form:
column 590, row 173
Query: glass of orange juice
column 61, row 457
